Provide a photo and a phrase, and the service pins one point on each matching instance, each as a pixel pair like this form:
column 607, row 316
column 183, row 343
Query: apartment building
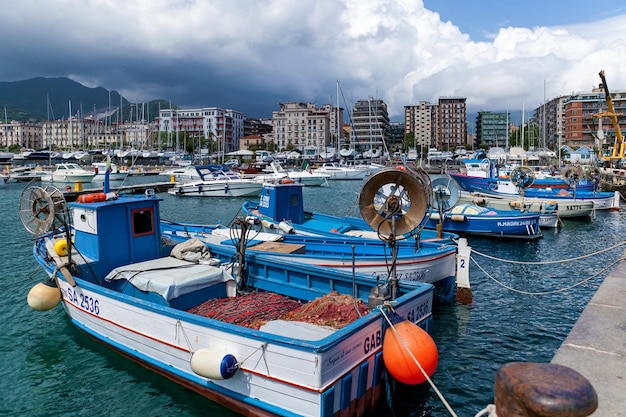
column 223, row 126
column 26, row 135
column 492, row 129
column 421, row 120
column 451, row 123
column 370, row 125
column 306, row 127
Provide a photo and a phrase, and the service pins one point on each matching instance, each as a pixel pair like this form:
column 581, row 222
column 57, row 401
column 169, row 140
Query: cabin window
column 142, row 221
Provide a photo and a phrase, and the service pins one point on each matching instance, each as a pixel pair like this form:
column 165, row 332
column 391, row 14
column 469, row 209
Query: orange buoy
column 397, row 359
column 92, row 198
column 333, row 230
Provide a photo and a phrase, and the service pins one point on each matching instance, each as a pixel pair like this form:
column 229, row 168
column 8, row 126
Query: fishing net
column 252, row 310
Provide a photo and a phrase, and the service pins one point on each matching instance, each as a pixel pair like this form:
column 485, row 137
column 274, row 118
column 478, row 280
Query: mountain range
column 40, row 99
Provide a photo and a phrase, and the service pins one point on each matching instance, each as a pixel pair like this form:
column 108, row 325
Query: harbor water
column 522, row 311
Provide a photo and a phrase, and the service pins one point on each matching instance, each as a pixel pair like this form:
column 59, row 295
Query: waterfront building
column 492, row 129
column 421, row 121
column 306, row 127
column 452, row 123
column 27, row 135
column 442, row 125
column 225, row 127
column 575, row 120
column 370, row 125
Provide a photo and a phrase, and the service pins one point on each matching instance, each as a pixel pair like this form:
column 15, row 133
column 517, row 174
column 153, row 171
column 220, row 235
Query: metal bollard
column 542, row 390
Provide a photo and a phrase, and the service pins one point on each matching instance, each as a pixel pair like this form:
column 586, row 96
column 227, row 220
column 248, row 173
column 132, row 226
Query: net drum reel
column 445, row 195
column 522, row 177
column 394, row 201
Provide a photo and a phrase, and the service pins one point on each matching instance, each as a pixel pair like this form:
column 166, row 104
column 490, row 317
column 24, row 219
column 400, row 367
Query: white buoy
column 268, row 224
column 44, row 296
column 214, row 364
column 286, row 227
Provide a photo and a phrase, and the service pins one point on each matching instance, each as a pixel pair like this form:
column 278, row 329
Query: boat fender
column 412, row 342
column 225, row 188
column 286, row 228
column 286, row 181
column 457, row 218
column 92, row 198
column 44, row 296
column 435, row 216
column 214, row 364
column 60, row 247
column 268, row 224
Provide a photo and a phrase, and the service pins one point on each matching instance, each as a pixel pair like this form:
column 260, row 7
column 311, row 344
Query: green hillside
column 39, row 99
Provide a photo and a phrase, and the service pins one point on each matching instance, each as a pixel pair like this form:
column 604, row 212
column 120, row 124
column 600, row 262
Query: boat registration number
column 81, row 300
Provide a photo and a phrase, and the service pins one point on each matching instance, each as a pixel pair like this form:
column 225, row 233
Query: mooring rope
column 577, row 258
column 547, row 292
column 430, row 381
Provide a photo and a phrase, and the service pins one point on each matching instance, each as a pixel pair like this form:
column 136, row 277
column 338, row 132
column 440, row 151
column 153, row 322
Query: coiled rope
column 569, row 287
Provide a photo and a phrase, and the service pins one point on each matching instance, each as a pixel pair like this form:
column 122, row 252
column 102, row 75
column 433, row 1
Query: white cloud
column 393, row 49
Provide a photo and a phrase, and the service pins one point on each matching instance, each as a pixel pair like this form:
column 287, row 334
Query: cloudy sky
column 249, row 55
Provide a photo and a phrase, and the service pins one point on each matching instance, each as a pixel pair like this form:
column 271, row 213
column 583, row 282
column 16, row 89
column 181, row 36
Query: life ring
column 286, row 181
column 92, row 198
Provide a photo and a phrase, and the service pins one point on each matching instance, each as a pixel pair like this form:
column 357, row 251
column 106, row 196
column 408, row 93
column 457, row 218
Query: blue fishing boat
column 470, row 219
column 281, row 209
column 430, row 262
column 480, row 172
column 261, row 336
column 602, row 200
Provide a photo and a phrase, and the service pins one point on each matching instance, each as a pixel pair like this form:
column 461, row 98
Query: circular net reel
column 42, row 209
column 393, row 201
column 572, row 174
column 446, row 193
column 523, row 177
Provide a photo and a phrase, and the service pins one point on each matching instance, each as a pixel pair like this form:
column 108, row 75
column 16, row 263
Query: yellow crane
column 619, row 146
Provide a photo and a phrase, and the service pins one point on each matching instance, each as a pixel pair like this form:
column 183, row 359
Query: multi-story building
column 396, row 136
column 26, row 135
column 85, row 133
column 370, row 125
column 452, row 123
column 421, row 120
column 223, row 126
column 492, row 129
column 306, row 127
column 575, row 120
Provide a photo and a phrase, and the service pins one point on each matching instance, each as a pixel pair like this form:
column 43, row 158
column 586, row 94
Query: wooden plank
column 59, row 263
column 279, row 247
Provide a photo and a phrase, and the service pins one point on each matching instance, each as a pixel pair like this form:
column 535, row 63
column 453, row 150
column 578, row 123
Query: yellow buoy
column 44, row 296
column 60, row 247
column 396, row 355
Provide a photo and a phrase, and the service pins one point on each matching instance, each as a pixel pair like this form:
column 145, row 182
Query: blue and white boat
column 431, row 262
column 281, row 209
column 602, row 200
column 237, row 333
column 480, row 173
column 470, row 219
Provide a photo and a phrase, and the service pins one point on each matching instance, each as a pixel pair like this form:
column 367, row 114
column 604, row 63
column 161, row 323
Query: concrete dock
column 596, row 345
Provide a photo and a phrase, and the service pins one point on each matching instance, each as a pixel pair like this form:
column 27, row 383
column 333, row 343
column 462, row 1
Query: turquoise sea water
column 50, row 368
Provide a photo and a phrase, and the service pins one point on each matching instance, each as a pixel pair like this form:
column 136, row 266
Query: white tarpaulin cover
column 170, row 277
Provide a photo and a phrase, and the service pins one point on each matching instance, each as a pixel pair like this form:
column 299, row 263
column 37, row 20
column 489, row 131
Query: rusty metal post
column 542, row 390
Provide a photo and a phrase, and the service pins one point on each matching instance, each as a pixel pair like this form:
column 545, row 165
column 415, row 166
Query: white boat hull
column 275, row 376
column 218, row 189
